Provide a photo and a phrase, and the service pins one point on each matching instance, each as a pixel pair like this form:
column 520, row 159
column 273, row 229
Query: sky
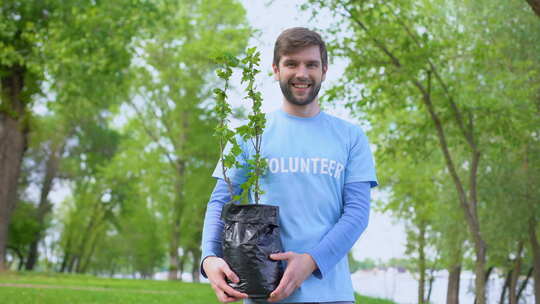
column 384, row 238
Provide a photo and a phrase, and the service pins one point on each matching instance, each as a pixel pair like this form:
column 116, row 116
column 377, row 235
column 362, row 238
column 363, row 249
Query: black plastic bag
column 250, row 235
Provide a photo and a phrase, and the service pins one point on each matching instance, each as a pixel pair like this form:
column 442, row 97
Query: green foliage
column 142, row 185
column 366, row 264
column 223, row 110
column 70, row 58
column 23, row 228
column 248, row 133
column 451, row 95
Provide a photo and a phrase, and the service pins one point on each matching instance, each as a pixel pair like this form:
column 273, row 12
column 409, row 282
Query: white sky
column 383, row 239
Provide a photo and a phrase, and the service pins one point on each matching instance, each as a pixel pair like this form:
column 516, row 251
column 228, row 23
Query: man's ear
column 324, row 69
column 275, row 68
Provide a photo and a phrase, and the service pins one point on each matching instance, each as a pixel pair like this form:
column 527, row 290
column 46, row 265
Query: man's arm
column 213, row 225
column 340, row 239
column 333, row 246
column 213, row 266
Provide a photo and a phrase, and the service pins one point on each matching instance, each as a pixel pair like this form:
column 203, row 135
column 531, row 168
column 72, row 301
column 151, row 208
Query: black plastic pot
column 250, row 235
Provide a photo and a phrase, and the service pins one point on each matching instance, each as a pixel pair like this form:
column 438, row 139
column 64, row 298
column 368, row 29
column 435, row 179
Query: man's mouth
column 301, row 85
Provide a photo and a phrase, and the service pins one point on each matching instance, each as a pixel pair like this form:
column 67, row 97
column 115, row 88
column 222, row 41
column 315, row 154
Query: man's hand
column 217, row 270
column 299, row 268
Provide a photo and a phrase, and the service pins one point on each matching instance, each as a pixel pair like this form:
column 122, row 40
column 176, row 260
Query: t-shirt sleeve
column 360, row 166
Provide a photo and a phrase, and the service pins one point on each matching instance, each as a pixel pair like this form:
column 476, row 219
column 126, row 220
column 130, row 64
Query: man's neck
column 309, row 110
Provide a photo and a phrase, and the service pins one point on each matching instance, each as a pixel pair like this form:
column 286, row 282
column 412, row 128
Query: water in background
column 402, row 287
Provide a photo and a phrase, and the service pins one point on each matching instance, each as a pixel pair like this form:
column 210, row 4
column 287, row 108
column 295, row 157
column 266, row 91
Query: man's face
column 300, row 75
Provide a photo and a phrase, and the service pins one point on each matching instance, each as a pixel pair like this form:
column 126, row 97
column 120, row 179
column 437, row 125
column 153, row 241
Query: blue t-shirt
column 309, row 162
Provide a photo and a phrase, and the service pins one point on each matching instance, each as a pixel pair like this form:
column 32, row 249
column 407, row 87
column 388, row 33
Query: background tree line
column 109, row 99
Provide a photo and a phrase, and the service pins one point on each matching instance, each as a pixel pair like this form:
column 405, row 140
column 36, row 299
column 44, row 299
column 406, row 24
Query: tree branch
column 379, row 44
column 168, row 129
column 152, row 135
column 458, row 116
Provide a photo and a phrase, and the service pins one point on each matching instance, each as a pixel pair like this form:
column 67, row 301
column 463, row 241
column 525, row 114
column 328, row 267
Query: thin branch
column 168, row 129
column 426, row 98
column 379, row 44
column 458, row 116
column 151, row 134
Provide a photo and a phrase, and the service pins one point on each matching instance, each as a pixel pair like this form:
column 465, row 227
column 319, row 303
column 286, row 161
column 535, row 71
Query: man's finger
column 277, row 294
column 231, row 291
column 281, row 256
column 231, row 275
column 225, row 298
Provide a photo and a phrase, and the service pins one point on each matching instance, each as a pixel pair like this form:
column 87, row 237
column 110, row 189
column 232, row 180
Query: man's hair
column 296, row 38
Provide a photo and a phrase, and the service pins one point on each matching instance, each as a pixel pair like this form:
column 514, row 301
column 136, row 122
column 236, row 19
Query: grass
column 367, row 300
column 45, row 288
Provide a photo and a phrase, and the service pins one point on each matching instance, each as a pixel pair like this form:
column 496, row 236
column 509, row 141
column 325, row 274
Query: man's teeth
column 301, row 86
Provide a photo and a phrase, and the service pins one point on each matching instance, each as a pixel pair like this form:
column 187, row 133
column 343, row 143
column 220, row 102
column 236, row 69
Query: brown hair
column 296, row 38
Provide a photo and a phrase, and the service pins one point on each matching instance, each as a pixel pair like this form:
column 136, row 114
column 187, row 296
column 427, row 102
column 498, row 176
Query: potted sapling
column 251, row 230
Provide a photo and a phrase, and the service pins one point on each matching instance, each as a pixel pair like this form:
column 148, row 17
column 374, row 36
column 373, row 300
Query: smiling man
column 320, row 175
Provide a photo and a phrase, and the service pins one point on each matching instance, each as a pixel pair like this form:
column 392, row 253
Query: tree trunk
column 72, row 263
column 196, row 261
column 175, row 233
column 183, row 260
column 535, row 5
column 90, row 234
column 13, row 143
column 452, row 292
column 430, row 286
column 173, row 251
column 44, row 207
column 512, row 296
column 67, row 255
column 524, row 284
column 180, row 166
column 505, row 287
column 487, row 274
column 19, row 256
column 535, row 248
column 88, row 257
column 468, row 202
column 421, row 262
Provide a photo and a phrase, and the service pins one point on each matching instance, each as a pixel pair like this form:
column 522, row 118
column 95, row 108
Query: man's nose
column 302, row 71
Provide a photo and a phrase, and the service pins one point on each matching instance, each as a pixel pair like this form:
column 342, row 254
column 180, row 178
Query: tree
column 42, row 46
column 95, row 200
column 170, row 99
column 535, row 5
column 21, row 231
column 42, row 166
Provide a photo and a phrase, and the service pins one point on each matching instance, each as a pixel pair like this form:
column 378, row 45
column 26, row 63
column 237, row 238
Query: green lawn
column 367, row 300
column 49, row 288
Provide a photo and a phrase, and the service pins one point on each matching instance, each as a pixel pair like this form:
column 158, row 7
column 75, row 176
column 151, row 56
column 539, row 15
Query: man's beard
column 287, row 92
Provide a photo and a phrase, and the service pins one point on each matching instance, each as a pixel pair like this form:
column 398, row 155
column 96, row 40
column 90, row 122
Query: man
column 320, row 173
